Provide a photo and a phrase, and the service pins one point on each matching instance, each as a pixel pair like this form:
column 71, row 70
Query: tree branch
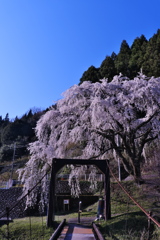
column 145, row 122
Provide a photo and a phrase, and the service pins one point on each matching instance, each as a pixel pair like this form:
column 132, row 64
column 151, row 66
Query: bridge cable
column 126, row 192
column 29, row 191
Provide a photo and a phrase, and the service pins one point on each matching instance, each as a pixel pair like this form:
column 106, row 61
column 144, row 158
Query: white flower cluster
column 87, row 121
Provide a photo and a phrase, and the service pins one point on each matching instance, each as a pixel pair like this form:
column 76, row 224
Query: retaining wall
column 9, row 197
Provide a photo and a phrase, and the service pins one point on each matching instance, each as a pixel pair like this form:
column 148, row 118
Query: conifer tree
column 151, row 63
column 92, row 74
column 138, row 49
column 107, row 68
column 122, row 60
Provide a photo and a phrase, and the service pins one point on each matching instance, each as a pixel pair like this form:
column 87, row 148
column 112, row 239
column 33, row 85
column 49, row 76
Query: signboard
column 66, row 201
column 65, row 204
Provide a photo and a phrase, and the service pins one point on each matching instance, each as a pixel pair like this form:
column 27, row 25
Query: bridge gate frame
column 57, row 164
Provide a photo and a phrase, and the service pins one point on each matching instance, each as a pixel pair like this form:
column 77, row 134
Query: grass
column 127, row 223
column 35, row 227
column 26, row 229
column 132, row 226
column 128, row 226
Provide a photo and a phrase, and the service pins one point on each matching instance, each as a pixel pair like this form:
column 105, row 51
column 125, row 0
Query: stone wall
column 62, row 188
column 9, row 197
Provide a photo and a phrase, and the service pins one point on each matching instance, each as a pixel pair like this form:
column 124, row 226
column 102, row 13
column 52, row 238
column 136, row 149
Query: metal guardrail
column 83, row 177
column 96, row 232
column 58, row 231
column 10, row 183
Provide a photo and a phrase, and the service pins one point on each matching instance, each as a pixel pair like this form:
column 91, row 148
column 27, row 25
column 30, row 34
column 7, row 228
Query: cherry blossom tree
column 92, row 119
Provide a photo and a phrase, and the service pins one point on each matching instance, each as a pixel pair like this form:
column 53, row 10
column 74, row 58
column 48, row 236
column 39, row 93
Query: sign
column 66, row 201
column 65, row 204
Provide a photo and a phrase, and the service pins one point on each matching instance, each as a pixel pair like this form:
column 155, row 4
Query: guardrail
column 10, row 183
column 82, row 177
column 96, row 232
column 58, row 231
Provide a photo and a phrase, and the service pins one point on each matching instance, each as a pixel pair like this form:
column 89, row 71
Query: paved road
column 76, row 232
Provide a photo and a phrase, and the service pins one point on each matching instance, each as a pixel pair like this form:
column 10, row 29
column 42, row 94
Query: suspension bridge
column 69, row 230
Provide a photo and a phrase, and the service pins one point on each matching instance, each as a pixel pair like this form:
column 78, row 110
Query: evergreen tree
column 107, row 68
column 30, row 114
column 16, row 130
column 122, row 60
column 156, row 56
column 92, row 74
column 113, row 56
column 1, row 124
column 142, row 54
column 6, row 119
column 1, row 120
column 138, row 49
column 151, row 64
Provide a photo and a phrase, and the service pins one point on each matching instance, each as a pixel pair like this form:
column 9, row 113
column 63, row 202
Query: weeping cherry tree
column 93, row 118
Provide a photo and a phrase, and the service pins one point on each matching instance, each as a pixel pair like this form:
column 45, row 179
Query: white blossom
column 86, row 122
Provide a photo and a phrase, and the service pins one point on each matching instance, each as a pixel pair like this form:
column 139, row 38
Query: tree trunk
column 134, row 169
column 137, row 172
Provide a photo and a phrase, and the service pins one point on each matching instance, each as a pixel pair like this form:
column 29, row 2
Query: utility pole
column 119, row 165
column 119, row 170
column 14, row 150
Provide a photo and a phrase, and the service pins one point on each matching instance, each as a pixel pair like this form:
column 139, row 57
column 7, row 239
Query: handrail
column 10, row 209
column 147, row 214
column 97, row 233
column 58, row 231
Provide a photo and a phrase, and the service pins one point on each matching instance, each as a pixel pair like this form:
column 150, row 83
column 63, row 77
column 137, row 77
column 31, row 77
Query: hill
column 15, row 135
column 142, row 53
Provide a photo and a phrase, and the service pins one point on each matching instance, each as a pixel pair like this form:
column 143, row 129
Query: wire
column 29, row 191
column 147, row 214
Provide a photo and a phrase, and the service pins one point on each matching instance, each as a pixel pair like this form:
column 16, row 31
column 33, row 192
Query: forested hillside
column 19, row 131
column 143, row 54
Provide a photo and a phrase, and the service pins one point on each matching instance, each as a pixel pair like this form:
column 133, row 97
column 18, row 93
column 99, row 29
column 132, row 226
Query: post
column 80, row 205
column 79, row 211
column 150, row 226
column 51, row 210
column 78, row 216
column 107, row 204
column 7, row 213
column 119, row 170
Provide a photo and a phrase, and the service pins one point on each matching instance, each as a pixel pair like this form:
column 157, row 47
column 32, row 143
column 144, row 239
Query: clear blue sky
column 46, row 45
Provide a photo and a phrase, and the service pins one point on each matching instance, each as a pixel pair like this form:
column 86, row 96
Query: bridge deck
column 74, row 231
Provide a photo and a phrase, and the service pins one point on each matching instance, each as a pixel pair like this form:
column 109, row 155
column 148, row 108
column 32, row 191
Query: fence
column 8, row 184
column 82, row 177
